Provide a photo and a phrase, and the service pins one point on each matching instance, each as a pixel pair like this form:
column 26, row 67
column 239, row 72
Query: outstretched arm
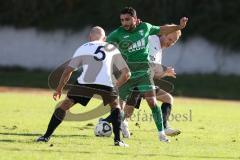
column 125, row 75
column 121, row 65
column 63, row 81
column 169, row 72
column 171, row 28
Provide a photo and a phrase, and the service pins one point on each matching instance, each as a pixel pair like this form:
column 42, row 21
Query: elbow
column 125, row 74
column 128, row 75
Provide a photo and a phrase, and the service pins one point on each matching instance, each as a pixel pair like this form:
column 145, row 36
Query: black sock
column 109, row 119
column 166, row 111
column 115, row 119
column 56, row 119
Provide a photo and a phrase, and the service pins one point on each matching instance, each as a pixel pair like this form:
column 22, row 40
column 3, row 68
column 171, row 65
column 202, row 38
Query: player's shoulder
column 92, row 44
column 146, row 24
column 98, row 43
column 112, row 49
column 153, row 38
column 84, row 46
column 109, row 45
column 116, row 31
column 88, row 48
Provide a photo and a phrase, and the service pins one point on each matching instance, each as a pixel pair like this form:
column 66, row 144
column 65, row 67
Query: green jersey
column 134, row 46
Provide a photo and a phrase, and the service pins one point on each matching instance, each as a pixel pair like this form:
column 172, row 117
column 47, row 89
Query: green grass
column 212, row 132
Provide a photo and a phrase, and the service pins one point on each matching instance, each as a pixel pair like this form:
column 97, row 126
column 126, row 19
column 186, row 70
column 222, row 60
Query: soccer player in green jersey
column 132, row 40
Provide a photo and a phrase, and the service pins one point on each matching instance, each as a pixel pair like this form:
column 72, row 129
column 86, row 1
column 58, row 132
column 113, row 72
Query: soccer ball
column 103, row 129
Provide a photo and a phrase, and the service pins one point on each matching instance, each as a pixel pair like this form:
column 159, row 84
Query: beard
column 129, row 27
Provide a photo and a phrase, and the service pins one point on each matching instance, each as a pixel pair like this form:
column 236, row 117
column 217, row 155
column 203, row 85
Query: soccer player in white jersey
column 97, row 62
column 156, row 45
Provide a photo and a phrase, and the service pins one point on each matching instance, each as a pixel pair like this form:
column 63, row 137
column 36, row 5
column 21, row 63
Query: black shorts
column 135, row 98
column 82, row 93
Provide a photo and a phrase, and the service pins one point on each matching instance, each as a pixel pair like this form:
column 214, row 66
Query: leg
column 115, row 119
column 114, row 105
column 133, row 101
column 123, row 123
column 156, row 110
column 56, row 119
column 128, row 111
column 166, row 107
column 157, row 114
column 122, row 104
column 124, row 92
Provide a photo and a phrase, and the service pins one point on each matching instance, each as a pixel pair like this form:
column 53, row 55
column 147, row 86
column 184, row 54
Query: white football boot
column 172, row 132
column 120, row 144
column 162, row 137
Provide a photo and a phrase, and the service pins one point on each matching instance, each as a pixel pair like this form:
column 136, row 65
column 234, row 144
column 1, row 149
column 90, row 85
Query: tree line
column 215, row 20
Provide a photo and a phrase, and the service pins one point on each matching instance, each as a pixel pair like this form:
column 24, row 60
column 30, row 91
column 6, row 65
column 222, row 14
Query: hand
column 170, row 72
column 183, row 22
column 57, row 94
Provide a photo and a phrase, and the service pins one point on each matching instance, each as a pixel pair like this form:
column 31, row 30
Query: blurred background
column 37, row 36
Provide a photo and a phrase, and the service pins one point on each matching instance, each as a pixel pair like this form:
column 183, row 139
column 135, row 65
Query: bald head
column 97, row 33
column 169, row 39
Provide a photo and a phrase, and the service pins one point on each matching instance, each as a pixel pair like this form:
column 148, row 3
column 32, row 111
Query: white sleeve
column 119, row 62
column 76, row 60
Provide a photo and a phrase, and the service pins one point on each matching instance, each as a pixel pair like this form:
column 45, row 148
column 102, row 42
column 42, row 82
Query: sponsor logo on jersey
column 141, row 32
column 140, row 44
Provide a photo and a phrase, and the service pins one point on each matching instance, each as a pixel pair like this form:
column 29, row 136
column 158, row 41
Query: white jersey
column 97, row 63
column 155, row 53
column 155, row 49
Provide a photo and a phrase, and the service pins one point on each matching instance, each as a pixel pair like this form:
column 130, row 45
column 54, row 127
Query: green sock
column 157, row 116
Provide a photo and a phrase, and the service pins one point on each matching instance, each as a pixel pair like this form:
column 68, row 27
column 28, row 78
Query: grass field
column 210, row 130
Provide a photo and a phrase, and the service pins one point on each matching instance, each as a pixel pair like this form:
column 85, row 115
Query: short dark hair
column 129, row 10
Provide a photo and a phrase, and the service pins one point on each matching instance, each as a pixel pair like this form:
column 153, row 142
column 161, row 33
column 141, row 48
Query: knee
column 114, row 104
column 128, row 111
column 151, row 102
column 66, row 104
column 167, row 98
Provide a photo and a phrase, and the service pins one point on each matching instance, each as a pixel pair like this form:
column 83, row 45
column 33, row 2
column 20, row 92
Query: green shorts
column 143, row 83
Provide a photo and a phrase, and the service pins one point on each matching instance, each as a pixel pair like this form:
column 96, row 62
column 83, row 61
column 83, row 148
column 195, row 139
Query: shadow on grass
column 45, row 150
column 7, row 140
column 188, row 156
column 33, row 141
column 36, row 134
column 15, row 141
column 202, row 157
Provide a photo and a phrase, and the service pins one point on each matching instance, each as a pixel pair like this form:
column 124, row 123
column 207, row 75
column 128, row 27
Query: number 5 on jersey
column 99, row 51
